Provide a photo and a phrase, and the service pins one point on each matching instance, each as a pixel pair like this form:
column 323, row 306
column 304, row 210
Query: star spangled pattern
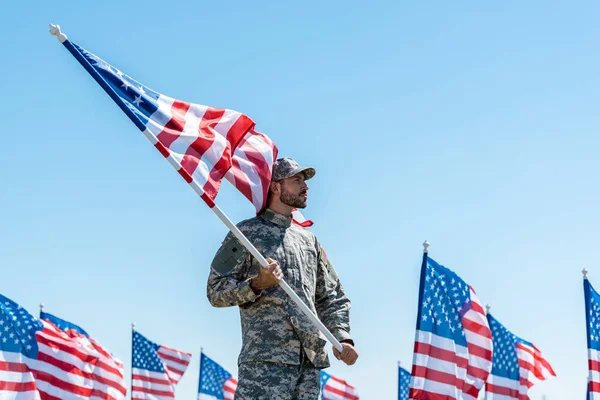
column 403, row 383
column 592, row 316
column 333, row 388
column 40, row 361
column 453, row 343
column 156, row 369
column 517, row 365
column 216, row 383
column 203, row 143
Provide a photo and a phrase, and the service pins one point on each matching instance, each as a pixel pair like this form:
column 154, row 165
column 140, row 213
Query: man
column 282, row 351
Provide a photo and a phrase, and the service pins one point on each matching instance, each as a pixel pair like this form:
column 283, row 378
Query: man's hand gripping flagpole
column 55, row 30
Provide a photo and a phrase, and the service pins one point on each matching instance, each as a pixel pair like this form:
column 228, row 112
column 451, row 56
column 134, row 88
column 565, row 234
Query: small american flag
column 403, row 383
column 156, row 369
column 453, row 343
column 336, row 389
column 216, row 383
column 203, row 143
column 38, row 360
column 517, row 365
column 592, row 317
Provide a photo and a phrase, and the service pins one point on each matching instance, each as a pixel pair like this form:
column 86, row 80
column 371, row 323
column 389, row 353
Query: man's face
column 294, row 191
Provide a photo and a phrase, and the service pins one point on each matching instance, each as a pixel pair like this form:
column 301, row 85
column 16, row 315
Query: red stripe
column 46, row 396
column 174, row 127
column 177, row 360
column 418, row 394
column 181, row 353
column 441, row 354
column 338, row 392
column 17, row 386
column 502, row 390
column 594, row 365
column 594, row 386
column 163, row 150
column 241, row 181
column 13, row 367
column 137, row 389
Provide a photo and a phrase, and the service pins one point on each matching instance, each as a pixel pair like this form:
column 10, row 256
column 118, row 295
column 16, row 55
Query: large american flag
column 216, row 383
column 453, row 343
column 333, row 388
column 592, row 319
column 517, row 365
column 203, row 143
column 38, row 360
column 156, row 369
column 403, row 383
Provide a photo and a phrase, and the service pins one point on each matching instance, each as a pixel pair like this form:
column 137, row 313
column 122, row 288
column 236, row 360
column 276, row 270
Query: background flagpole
column 55, row 30
column 131, row 376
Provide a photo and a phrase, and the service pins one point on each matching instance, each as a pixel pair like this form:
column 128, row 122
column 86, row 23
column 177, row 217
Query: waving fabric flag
column 216, row 383
column 517, row 365
column 156, row 369
column 453, row 343
column 203, row 143
column 38, row 360
column 334, row 388
column 592, row 317
column 403, row 383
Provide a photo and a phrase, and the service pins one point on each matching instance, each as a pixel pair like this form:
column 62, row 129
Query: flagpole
column 55, row 30
column 200, row 371
column 131, row 376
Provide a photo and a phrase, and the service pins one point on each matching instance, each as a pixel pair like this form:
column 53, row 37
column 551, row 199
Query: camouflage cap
column 286, row 167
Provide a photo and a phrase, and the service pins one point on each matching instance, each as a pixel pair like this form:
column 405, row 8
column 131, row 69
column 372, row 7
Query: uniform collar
column 276, row 218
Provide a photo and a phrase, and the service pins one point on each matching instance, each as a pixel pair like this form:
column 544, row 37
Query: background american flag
column 38, row 360
column 216, row 383
column 156, row 369
column 453, row 343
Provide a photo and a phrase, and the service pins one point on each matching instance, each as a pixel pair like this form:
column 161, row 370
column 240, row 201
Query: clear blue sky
column 472, row 125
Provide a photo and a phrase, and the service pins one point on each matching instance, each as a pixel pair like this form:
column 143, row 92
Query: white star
column 138, row 100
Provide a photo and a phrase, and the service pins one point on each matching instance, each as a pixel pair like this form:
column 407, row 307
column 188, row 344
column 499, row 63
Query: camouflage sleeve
column 230, row 274
column 331, row 302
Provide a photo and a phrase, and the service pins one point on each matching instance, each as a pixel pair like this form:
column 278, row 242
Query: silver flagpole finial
column 55, row 30
column 133, row 326
column 41, row 307
column 584, row 272
column 487, row 308
column 425, row 246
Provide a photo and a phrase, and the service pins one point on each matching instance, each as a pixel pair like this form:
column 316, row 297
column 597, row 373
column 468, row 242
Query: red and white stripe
column 157, row 385
column 252, row 165
column 229, row 388
column 533, row 368
column 594, row 374
column 443, row 370
column 298, row 219
column 337, row 389
column 68, row 366
column 175, row 362
column 203, row 143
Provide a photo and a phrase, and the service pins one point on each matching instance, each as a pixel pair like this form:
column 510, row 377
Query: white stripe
column 333, row 384
column 204, row 396
column 594, row 355
column 149, row 385
column 185, row 358
column 30, row 395
column 150, row 374
column 438, row 388
column 158, row 120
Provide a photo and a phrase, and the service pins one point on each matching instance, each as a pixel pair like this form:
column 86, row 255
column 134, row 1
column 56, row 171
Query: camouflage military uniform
column 282, row 351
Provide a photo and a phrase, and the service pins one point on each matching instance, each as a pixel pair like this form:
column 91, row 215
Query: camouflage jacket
column 274, row 329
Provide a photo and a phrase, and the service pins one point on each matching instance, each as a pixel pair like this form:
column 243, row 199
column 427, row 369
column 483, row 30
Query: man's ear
column 274, row 187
